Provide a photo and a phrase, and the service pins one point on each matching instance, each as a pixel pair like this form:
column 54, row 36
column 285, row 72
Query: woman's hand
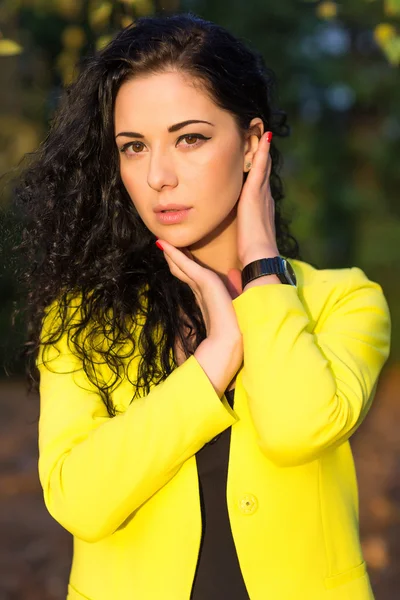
column 212, row 296
column 255, row 217
column 256, row 209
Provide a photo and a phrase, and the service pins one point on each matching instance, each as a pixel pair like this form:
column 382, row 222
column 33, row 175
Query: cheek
column 227, row 177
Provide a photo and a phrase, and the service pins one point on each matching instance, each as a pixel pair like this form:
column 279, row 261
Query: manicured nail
column 269, row 137
column 159, row 245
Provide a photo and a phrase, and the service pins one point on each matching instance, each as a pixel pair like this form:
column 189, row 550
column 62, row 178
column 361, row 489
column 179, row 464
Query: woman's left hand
column 256, row 208
column 255, row 215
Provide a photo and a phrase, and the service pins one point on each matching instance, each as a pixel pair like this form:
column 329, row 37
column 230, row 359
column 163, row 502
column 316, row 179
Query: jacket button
column 248, row 504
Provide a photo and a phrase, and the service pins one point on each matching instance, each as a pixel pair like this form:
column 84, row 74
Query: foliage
column 337, row 66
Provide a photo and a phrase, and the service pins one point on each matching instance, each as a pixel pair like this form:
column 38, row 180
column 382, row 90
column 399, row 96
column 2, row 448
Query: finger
column 261, row 159
column 269, row 165
column 175, row 268
column 180, row 256
column 181, row 263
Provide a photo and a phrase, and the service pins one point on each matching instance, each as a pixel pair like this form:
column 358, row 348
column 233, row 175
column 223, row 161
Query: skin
column 204, row 174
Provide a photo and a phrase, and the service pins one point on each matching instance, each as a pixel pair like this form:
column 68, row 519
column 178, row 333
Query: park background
column 337, row 65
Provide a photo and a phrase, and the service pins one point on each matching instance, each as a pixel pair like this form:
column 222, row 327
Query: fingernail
column 159, row 245
column 269, row 136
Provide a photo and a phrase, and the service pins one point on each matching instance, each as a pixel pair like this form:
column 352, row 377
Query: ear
column 252, row 140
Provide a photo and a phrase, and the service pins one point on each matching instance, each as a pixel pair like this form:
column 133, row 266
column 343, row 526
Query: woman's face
column 199, row 165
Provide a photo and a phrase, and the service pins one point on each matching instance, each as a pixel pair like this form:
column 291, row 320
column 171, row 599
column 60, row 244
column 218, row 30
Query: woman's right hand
column 213, row 298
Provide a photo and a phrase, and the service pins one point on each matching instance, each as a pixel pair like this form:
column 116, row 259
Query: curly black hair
column 83, row 238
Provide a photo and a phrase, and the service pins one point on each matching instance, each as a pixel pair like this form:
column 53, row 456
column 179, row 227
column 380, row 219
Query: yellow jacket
column 127, row 487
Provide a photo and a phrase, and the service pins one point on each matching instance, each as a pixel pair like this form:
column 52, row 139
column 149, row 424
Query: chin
column 179, row 239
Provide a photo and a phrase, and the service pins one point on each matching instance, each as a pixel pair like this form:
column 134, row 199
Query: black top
column 218, row 575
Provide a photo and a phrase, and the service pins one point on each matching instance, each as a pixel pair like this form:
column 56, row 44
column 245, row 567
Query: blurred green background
column 337, row 65
column 338, row 72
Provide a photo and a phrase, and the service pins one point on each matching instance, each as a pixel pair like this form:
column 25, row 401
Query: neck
column 218, row 250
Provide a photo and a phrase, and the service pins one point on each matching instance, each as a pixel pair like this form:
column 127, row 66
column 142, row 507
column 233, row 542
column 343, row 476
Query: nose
column 162, row 171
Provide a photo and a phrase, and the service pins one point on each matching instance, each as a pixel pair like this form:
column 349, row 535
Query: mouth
column 169, row 217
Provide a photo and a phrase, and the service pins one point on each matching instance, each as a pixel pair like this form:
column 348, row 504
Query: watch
column 269, row 266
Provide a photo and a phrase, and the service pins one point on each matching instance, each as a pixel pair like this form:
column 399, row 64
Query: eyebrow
column 170, row 129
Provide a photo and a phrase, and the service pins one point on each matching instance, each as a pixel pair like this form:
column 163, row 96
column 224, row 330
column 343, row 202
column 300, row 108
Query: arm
column 309, row 389
column 96, row 470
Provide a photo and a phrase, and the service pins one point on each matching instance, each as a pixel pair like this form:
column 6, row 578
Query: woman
column 196, row 403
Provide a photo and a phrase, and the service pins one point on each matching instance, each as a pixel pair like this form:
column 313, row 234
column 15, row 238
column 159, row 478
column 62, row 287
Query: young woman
column 196, row 402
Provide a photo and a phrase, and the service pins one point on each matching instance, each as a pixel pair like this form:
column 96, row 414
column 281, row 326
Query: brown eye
column 191, row 137
column 198, row 137
column 136, row 146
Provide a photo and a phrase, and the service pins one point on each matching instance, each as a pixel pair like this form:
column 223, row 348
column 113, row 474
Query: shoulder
column 342, row 278
column 307, row 274
column 325, row 290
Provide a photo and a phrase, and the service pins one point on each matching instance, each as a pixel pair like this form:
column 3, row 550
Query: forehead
column 158, row 101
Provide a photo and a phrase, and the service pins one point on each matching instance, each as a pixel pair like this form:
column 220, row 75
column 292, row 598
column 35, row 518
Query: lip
column 171, row 206
column 170, row 218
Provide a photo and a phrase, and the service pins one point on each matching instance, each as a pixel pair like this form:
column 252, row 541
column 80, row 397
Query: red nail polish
column 269, row 136
column 159, row 245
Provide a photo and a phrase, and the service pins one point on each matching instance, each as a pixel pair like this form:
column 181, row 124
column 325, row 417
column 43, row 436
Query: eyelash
column 190, row 135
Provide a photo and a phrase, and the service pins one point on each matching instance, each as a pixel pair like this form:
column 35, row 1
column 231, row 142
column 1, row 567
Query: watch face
column 289, row 272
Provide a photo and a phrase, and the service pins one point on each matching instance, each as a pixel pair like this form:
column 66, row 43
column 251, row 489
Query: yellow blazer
column 126, row 487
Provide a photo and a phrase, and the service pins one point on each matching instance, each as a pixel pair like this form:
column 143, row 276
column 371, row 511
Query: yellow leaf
column 392, row 50
column 327, row 10
column 391, row 7
column 9, row 48
column 67, row 65
column 100, row 15
column 70, row 9
column 102, row 41
column 142, row 7
column 73, row 37
column 126, row 21
column 384, row 32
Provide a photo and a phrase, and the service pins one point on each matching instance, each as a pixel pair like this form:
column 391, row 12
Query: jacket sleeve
column 309, row 386
column 96, row 470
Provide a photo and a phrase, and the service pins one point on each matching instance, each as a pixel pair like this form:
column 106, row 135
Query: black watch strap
column 269, row 266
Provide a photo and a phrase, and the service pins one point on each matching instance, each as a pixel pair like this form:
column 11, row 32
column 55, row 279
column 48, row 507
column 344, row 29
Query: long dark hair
column 84, row 242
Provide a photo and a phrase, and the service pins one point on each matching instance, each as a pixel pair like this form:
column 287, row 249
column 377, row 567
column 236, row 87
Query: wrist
column 256, row 253
column 268, row 270
column 264, row 280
